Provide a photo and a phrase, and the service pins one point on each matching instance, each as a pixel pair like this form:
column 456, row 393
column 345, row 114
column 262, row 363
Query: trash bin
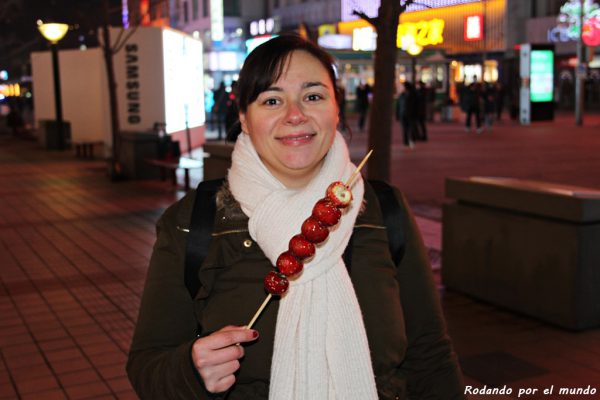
column 134, row 148
column 50, row 136
column 532, row 247
column 219, row 159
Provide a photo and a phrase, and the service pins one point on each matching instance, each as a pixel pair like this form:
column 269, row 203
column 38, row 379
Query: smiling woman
column 293, row 122
column 348, row 320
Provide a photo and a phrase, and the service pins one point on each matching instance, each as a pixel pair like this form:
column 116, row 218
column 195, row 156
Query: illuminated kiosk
column 537, row 82
column 159, row 79
column 159, row 76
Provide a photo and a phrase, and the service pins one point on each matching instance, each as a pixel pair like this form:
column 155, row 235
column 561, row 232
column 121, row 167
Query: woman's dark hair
column 265, row 65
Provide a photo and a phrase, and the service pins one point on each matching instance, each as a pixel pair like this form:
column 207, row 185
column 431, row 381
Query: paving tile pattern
column 74, row 249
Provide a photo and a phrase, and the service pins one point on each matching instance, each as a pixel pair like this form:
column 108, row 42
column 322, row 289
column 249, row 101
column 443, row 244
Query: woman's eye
column 314, row 97
column 271, row 102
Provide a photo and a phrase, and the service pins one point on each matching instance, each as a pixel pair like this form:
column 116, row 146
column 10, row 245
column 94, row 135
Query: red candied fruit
column 288, row 264
column 326, row 212
column 276, row 283
column 313, row 231
column 339, row 194
column 301, row 247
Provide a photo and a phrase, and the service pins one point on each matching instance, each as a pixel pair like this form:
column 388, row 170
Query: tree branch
column 409, row 3
column 362, row 15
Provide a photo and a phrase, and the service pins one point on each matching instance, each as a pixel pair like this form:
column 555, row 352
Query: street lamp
column 54, row 32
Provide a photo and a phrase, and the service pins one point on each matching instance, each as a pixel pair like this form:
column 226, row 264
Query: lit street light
column 54, row 32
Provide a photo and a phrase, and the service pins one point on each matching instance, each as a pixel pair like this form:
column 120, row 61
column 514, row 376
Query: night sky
column 18, row 30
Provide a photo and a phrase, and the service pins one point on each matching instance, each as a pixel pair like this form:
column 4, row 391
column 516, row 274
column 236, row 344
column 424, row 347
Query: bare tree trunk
column 114, row 167
column 380, row 118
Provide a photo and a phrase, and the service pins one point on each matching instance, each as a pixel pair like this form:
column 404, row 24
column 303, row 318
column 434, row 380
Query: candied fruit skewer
column 276, row 281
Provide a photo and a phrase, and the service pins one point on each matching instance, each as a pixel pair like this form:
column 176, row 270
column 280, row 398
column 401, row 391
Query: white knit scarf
column 321, row 349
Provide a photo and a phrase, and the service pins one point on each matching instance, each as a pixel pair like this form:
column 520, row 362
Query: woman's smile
column 296, row 139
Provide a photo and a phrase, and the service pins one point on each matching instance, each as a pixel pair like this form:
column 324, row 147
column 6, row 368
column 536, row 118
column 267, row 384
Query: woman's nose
column 295, row 115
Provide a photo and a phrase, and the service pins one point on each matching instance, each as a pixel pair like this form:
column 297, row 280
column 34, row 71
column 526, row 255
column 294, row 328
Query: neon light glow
column 542, row 76
column 422, row 33
column 568, row 23
column 473, row 29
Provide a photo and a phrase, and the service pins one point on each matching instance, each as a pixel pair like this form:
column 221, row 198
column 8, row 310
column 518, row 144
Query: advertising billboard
column 542, row 76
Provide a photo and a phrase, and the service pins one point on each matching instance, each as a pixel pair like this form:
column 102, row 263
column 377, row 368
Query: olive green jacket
column 411, row 353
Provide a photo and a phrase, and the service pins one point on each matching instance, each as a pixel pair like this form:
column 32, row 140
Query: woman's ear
column 242, row 117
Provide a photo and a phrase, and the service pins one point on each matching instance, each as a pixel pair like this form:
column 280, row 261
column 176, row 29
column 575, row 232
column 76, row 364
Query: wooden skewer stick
column 260, row 309
column 348, row 183
column 357, row 170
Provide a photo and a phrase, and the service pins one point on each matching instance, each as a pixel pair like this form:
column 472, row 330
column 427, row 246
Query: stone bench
column 531, row 247
column 184, row 163
column 85, row 148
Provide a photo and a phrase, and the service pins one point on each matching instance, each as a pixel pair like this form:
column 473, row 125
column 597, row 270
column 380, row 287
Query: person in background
column 342, row 106
column 406, row 113
column 14, row 120
column 500, row 94
column 472, row 100
column 422, row 99
column 231, row 115
column 362, row 104
column 369, row 330
column 489, row 105
column 219, row 109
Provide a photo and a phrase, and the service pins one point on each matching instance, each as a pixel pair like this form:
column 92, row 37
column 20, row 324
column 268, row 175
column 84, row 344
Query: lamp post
column 54, row 32
column 580, row 69
column 414, row 50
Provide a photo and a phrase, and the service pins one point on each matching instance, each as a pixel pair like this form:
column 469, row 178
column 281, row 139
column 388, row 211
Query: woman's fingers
column 220, row 356
column 216, row 357
column 228, row 336
column 221, row 385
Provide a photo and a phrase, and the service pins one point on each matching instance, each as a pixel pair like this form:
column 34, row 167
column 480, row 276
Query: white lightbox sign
column 184, row 87
column 217, row 26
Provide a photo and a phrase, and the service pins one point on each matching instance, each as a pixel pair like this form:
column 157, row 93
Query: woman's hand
column 216, row 356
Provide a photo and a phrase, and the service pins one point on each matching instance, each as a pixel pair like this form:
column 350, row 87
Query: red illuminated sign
column 473, row 28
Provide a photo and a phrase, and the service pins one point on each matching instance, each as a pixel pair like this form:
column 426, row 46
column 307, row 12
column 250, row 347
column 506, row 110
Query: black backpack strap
column 392, row 219
column 200, row 232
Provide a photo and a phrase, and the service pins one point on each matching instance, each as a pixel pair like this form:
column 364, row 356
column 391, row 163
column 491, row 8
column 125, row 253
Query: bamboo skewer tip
column 357, row 170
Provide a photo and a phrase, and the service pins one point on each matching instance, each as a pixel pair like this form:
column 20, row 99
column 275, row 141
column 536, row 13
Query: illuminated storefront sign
column 263, row 26
column 217, row 25
column 542, row 76
column 411, row 35
column 473, row 28
column 422, row 33
column 364, row 39
column 568, row 23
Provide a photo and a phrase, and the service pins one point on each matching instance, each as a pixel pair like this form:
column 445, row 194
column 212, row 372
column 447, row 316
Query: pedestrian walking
column 362, row 104
column 489, row 105
column 500, row 94
column 406, row 113
column 219, row 109
column 422, row 100
column 14, row 120
column 341, row 100
column 231, row 115
column 472, row 100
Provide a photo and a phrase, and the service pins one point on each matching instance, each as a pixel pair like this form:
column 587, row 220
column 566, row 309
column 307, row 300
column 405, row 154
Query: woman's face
column 292, row 124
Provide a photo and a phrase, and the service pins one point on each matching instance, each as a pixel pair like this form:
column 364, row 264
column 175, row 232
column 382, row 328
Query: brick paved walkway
column 74, row 249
